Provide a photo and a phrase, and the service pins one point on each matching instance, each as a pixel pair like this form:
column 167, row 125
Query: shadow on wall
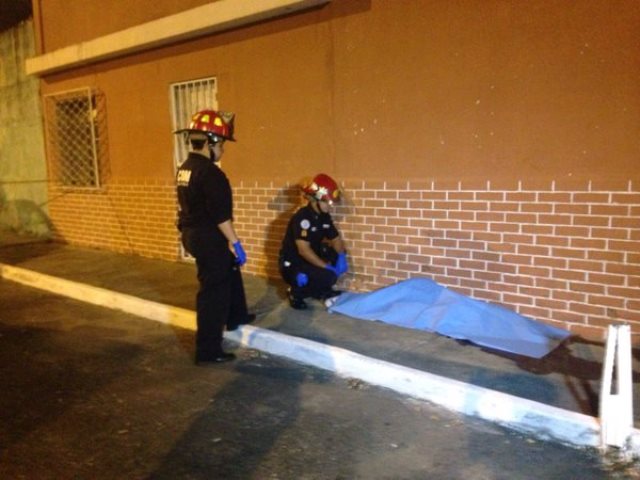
column 23, row 217
column 286, row 203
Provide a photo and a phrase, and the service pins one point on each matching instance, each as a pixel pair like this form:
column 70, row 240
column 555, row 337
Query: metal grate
column 188, row 98
column 75, row 126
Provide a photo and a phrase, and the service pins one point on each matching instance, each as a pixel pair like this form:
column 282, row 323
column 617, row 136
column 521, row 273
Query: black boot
column 296, row 302
column 222, row 357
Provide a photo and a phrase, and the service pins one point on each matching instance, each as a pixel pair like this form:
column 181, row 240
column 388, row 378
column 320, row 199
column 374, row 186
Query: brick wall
column 563, row 252
column 126, row 216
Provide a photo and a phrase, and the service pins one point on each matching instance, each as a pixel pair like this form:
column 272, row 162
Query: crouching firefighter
column 205, row 220
column 313, row 256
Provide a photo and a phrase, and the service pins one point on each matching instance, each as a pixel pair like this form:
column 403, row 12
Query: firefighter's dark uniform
column 205, row 199
column 313, row 227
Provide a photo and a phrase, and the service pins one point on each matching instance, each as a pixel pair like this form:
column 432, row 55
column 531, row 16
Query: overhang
column 204, row 20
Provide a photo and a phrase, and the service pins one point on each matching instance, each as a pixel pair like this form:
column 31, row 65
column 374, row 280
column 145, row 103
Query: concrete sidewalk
column 554, row 397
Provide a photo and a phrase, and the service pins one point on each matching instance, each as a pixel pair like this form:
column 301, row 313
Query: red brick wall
column 126, row 216
column 563, row 252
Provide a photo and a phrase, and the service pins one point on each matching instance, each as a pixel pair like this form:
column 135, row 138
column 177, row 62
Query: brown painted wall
column 491, row 88
column 395, row 89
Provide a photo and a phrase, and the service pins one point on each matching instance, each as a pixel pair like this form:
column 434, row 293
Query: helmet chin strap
column 212, row 141
column 212, row 153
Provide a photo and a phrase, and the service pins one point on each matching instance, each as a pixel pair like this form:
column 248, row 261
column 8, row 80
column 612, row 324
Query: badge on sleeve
column 304, row 224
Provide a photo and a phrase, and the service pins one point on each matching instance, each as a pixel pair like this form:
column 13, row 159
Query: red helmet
column 323, row 188
column 215, row 125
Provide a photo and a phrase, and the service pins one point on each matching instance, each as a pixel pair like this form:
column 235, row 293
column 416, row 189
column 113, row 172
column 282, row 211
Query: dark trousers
column 320, row 281
column 221, row 299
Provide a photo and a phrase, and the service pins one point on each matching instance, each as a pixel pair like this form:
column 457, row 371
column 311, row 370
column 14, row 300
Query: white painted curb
column 177, row 316
column 540, row 420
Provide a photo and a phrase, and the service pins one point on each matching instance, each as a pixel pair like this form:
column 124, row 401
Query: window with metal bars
column 76, row 136
column 188, row 98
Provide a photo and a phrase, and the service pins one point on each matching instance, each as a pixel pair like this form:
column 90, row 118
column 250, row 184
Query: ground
column 93, row 393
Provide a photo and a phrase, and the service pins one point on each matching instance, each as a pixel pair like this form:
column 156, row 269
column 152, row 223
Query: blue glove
column 341, row 263
column 241, row 256
column 333, row 269
column 302, row 279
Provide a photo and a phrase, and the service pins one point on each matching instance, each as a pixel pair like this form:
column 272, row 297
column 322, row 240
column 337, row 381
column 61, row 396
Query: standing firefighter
column 205, row 221
column 313, row 254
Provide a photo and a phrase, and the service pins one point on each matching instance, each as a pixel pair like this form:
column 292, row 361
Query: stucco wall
column 380, row 89
column 23, row 187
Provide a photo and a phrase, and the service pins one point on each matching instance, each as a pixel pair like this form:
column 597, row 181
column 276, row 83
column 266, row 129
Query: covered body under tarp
column 424, row 305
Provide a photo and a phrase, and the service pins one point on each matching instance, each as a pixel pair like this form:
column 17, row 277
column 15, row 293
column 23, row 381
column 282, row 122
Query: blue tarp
column 422, row 304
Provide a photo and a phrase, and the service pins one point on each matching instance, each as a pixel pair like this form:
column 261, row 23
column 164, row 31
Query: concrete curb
column 159, row 312
column 540, row 420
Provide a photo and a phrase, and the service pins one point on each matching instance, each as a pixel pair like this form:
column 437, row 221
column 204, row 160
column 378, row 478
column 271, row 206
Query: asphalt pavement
column 566, row 382
column 95, row 393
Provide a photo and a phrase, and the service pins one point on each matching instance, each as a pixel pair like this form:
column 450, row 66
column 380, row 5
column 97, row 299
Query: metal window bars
column 188, row 98
column 75, row 126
